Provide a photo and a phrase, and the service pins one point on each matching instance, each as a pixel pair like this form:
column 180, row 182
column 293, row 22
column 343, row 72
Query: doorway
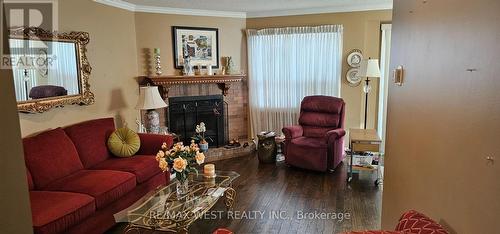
column 385, row 55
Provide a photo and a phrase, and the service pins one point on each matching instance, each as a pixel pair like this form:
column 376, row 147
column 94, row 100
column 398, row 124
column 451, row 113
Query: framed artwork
column 201, row 44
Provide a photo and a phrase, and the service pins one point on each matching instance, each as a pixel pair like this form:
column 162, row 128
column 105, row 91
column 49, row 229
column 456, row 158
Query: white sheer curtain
column 287, row 64
column 63, row 70
column 22, row 74
column 61, row 66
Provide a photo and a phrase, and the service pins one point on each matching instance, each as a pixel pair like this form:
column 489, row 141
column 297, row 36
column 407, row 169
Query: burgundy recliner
column 318, row 142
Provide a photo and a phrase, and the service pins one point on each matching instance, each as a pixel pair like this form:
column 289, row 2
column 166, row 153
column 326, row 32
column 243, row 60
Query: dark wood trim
column 222, row 81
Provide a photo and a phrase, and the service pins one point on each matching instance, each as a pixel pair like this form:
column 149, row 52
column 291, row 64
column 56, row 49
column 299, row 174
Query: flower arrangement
column 200, row 133
column 180, row 160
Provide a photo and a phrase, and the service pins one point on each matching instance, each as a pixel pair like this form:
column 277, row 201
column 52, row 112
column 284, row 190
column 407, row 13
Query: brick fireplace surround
column 237, row 100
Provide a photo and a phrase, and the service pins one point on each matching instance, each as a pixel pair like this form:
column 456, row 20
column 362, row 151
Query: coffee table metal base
column 182, row 228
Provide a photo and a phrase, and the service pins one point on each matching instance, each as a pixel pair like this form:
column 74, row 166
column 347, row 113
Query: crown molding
column 118, row 4
column 170, row 10
column 333, row 9
column 185, row 11
column 235, row 14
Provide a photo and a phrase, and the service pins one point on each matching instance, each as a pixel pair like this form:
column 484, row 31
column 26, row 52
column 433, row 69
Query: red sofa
column 412, row 222
column 76, row 185
column 317, row 143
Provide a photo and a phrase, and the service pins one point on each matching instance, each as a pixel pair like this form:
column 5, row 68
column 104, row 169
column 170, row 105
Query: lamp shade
column 149, row 99
column 369, row 68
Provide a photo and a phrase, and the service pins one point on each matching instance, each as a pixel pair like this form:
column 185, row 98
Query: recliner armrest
column 151, row 143
column 292, row 132
column 335, row 134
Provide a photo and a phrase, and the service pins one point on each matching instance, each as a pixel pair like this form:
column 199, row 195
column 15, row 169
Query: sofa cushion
column 319, row 119
column 49, row 156
column 31, row 186
column 54, row 212
column 415, row 222
column 104, row 185
column 142, row 166
column 315, row 132
column 309, row 153
column 124, row 142
column 90, row 139
column 151, row 143
column 324, row 104
column 310, row 142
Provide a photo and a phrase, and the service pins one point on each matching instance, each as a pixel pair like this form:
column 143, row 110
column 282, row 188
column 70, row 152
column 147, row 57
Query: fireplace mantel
column 222, row 81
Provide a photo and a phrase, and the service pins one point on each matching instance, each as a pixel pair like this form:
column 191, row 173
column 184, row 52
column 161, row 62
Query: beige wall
column 444, row 121
column 155, row 31
column 118, row 57
column 116, row 53
column 361, row 31
column 113, row 56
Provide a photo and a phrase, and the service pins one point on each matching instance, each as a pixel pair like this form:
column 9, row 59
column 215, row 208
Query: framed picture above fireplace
column 201, row 44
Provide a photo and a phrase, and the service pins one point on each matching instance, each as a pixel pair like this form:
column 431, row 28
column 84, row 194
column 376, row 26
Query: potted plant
column 180, row 160
column 200, row 137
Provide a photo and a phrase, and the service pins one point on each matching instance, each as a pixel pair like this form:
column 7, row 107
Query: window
column 287, row 64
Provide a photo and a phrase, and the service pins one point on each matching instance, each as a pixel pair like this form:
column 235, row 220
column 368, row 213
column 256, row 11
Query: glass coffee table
column 163, row 210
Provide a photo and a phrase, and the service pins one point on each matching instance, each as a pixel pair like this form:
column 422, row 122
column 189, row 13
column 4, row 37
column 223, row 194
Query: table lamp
column 150, row 99
column 368, row 68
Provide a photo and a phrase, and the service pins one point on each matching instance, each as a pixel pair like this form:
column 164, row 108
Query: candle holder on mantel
column 158, row 62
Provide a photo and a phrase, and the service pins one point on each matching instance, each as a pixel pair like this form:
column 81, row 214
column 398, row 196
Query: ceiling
column 248, row 8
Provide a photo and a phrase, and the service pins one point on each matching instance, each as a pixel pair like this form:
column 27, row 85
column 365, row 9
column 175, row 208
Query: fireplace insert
column 184, row 113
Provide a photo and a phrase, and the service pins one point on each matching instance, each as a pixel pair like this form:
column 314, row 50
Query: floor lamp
column 369, row 68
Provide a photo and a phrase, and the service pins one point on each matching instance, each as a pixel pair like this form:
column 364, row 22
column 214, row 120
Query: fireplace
column 184, row 113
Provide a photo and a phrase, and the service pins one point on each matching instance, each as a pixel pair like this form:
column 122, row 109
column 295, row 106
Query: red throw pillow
column 415, row 222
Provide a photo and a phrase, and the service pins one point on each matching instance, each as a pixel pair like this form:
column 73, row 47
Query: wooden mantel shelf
column 222, row 81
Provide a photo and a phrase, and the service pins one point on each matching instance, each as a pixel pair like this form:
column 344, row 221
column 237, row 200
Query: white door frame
column 385, row 54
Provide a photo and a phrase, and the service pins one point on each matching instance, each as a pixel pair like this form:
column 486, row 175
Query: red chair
column 317, row 143
column 411, row 222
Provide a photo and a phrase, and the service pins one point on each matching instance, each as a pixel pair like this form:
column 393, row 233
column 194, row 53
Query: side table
column 361, row 141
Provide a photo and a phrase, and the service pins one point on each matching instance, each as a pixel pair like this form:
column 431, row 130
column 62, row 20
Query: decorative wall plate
column 352, row 78
column 354, row 58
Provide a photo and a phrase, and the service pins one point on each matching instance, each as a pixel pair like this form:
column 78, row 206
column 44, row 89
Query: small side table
column 266, row 151
column 363, row 140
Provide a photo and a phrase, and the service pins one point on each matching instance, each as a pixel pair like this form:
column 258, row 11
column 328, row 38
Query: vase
column 153, row 121
column 188, row 67
column 209, row 70
column 203, row 147
column 182, row 188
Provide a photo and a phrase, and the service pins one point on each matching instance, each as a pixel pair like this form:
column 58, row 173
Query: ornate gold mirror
column 50, row 69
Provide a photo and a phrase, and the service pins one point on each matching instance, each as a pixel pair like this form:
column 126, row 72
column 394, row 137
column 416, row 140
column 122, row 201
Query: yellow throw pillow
column 124, row 142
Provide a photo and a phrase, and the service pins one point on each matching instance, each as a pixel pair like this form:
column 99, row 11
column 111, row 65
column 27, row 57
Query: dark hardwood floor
column 265, row 189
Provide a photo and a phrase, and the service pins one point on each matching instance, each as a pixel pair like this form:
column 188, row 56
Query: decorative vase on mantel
column 209, row 70
column 157, row 61
column 188, row 67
